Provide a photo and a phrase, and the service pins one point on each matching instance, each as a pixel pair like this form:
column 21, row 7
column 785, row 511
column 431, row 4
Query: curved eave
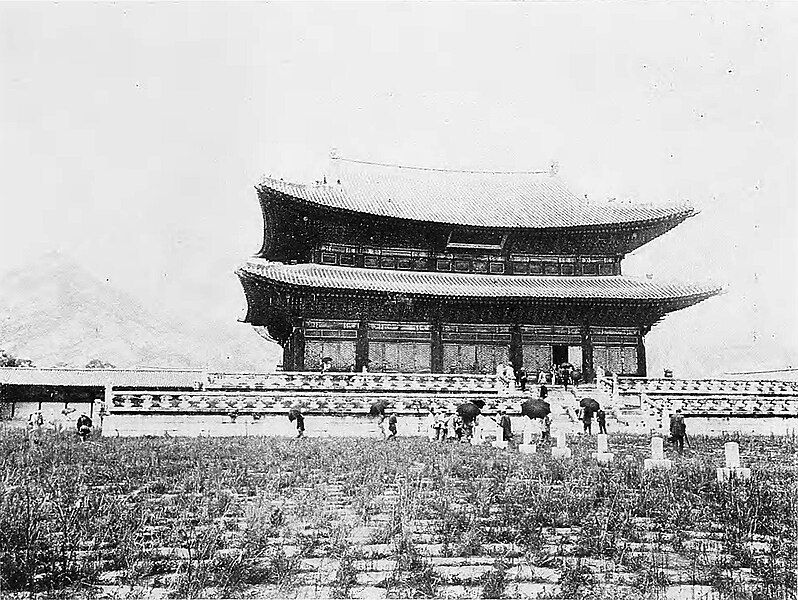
column 313, row 278
column 635, row 218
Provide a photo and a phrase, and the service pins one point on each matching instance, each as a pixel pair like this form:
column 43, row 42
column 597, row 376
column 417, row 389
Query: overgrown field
column 263, row 517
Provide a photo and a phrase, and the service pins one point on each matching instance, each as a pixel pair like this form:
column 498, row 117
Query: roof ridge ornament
column 554, row 168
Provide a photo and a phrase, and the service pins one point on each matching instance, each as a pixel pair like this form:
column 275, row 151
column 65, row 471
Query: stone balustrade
column 279, row 403
column 714, row 396
column 355, row 382
column 708, row 386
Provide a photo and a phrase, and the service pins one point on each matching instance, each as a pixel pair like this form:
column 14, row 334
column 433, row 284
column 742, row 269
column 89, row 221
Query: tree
column 9, row 360
column 96, row 363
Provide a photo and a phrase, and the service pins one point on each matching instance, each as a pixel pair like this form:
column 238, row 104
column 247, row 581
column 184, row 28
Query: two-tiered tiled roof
column 473, row 198
column 471, row 285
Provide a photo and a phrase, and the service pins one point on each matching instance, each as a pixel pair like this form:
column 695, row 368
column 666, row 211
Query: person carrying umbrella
column 587, row 421
column 391, row 426
column 589, row 407
column 296, row 415
column 678, row 431
column 378, row 410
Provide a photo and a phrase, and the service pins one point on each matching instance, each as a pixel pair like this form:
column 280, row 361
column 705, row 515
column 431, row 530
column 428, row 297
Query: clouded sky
column 132, row 135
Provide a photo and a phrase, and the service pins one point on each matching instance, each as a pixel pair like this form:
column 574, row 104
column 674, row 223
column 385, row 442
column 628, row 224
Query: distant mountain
column 56, row 313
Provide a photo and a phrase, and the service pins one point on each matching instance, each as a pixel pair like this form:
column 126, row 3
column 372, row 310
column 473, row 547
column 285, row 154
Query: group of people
column 565, row 374
column 450, row 426
column 678, row 431
column 587, row 420
column 447, row 426
column 35, row 425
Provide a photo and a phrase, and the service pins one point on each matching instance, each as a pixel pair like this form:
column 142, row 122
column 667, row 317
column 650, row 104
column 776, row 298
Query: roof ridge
column 439, row 169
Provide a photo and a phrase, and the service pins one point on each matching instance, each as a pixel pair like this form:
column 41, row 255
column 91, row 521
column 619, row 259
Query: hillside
column 55, row 313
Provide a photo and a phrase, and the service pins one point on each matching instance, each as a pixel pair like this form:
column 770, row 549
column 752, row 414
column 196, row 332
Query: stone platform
column 158, row 402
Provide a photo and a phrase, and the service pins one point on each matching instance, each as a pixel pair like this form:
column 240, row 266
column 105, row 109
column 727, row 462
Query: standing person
column 565, row 375
column 458, row 427
column 553, row 374
column 509, row 377
column 545, row 435
column 544, row 391
column 601, row 419
column 35, row 424
column 678, row 430
column 523, row 378
column 440, row 426
column 84, row 426
column 587, row 420
column 300, row 424
column 451, row 427
column 430, row 424
column 506, row 426
column 391, row 427
column 468, row 430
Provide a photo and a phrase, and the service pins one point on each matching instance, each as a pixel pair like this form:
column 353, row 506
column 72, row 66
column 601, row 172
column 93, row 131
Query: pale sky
column 132, row 135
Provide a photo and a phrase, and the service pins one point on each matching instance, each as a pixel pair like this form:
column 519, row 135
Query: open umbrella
column 535, row 409
column 293, row 414
column 589, row 405
column 480, row 404
column 378, row 408
column 469, row 411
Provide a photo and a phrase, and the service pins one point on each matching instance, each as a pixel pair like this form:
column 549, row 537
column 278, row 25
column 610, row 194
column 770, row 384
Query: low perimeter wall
column 196, row 425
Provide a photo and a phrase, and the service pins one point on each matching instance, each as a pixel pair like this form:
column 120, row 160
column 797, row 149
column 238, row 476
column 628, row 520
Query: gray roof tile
column 473, row 285
column 527, row 200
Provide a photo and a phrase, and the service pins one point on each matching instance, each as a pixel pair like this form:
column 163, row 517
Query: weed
column 494, row 581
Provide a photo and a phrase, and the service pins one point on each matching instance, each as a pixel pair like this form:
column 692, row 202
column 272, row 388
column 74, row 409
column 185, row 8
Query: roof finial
column 334, row 153
column 554, row 168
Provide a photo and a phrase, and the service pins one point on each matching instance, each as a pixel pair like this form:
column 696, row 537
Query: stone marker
column 500, row 443
column 657, row 460
column 562, row 450
column 529, row 437
column 732, row 468
column 603, row 456
column 477, row 437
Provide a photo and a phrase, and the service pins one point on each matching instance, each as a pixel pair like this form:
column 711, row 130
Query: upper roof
column 533, row 199
column 470, row 285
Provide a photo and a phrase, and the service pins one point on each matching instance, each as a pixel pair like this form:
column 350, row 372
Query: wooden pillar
column 516, row 351
column 642, row 366
column 588, row 372
column 362, row 345
column 436, row 346
column 288, row 354
column 294, row 349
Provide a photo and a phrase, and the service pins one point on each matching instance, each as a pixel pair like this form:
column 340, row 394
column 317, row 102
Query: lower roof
column 470, row 285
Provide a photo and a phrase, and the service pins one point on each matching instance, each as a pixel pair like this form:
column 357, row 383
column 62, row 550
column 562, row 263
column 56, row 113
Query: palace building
column 403, row 269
